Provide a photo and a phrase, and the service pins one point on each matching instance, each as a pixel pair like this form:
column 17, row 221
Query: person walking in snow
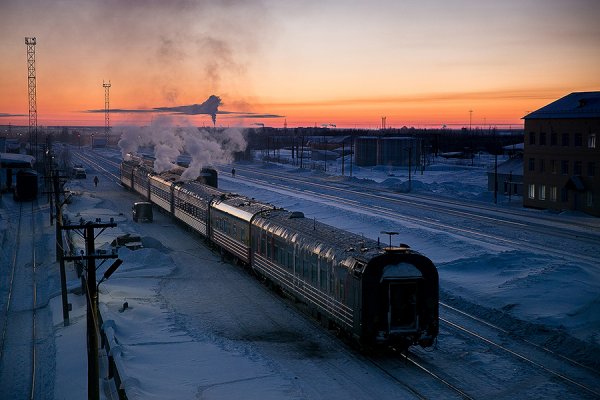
column 96, row 181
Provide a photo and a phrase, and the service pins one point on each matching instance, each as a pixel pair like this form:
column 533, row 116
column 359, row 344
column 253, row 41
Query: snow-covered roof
column 16, row 160
column 511, row 166
column 574, row 105
column 516, row 146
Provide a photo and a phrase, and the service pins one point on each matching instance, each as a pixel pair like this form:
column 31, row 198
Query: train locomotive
column 374, row 294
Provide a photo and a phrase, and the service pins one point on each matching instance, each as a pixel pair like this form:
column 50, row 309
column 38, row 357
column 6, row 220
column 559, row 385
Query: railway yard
column 198, row 326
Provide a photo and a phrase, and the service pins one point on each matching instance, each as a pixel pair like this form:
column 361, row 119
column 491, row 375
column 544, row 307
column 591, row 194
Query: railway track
column 472, row 209
column 482, row 233
column 532, row 356
column 19, row 337
column 545, row 364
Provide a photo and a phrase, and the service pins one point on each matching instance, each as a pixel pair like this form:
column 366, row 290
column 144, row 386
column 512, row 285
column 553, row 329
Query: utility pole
column 409, row 168
column 495, row 178
column 470, row 119
column 60, row 252
column 343, row 157
column 86, row 229
column 106, row 87
column 351, row 151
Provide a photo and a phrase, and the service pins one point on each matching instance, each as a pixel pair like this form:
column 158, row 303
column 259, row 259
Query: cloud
column 208, row 107
column 12, row 115
column 549, row 93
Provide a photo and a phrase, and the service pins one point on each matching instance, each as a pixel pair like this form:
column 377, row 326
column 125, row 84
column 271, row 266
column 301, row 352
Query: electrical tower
column 30, row 42
column 106, row 87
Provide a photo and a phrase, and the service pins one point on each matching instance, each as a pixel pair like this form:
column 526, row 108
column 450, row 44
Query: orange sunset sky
column 348, row 63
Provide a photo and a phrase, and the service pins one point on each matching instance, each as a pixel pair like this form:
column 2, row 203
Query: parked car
column 142, row 210
column 79, row 173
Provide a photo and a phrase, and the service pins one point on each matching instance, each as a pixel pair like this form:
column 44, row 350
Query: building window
column 577, row 167
column 578, row 139
column 553, row 193
column 564, row 167
column 542, row 194
column 591, row 170
column 564, row 195
column 532, row 191
column 592, row 141
column 531, row 137
column 542, row 165
column 542, row 138
column 553, row 139
column 532, row 164
column 590, row 199
column 553, row 166
column 565, row 139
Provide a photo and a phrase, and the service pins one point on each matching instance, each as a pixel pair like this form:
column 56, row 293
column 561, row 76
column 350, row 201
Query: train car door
column 402, row 314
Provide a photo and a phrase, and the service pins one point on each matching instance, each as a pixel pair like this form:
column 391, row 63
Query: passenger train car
column 26, row 188
column 376, row 295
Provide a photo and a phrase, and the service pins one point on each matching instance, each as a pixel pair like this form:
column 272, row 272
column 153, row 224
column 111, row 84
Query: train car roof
column 167, row 177
column 240, row 206
column 198, row 189
column 318, row 236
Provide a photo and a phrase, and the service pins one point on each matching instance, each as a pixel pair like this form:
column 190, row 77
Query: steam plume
column 205, row 147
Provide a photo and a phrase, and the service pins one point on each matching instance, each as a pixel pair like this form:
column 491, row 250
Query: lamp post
column 409, row 149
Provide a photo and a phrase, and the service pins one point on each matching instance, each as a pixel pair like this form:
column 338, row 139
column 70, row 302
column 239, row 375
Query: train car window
column 269, row 247
column 275, row 251
column 322, row 278
column 290, row 260
column 314, row 273
column 305, row 266
column 297, row 258
column 281, row 255
column 263, row 243
column 243, row 236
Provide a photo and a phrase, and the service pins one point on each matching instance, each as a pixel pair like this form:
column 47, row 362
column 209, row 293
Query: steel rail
column 521, row 357
column 34, row 301
column 416, row 199
column 11, row 281
column 522, row 339
column 494, row 239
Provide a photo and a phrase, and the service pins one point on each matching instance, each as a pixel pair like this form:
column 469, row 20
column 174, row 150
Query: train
column 376, row 295
column 26, row 187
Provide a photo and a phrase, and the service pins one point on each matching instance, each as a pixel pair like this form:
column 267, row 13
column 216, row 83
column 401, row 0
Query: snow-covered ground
column 559, row 293
column 186, row 334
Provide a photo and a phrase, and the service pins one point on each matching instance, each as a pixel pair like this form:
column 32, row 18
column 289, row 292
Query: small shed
column 9, row 164
column 510, row 176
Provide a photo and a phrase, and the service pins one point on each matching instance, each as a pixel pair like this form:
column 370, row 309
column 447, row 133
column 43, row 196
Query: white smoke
column 205, row 147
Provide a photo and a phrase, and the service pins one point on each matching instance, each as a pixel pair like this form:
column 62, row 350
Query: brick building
column 561, row 156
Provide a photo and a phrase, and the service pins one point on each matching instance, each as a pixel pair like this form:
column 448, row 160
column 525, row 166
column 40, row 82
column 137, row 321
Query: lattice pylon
column 31, row 90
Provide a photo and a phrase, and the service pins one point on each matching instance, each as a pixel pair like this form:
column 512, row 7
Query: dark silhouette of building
column 562, row 155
